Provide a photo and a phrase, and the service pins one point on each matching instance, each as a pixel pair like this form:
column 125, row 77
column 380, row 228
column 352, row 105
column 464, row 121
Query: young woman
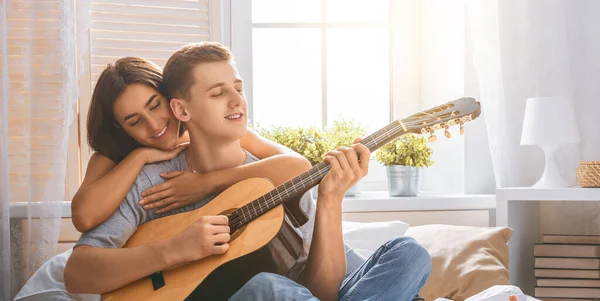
column 126, row 135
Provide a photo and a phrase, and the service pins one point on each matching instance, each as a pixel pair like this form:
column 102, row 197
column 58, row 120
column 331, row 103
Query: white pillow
column 365, row 238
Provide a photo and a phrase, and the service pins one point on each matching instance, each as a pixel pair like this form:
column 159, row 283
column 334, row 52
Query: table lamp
column 549, row 123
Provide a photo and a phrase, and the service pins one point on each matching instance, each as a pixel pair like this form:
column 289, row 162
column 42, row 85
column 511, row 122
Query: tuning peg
column 462, row 129
column 432, row 137
column 446, row 132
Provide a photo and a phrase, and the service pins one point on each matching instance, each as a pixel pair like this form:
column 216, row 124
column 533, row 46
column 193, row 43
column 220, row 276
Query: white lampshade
column 549, row 121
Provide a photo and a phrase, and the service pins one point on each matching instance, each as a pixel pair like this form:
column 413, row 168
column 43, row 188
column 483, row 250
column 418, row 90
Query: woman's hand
column 181, row 189
column 153, row 155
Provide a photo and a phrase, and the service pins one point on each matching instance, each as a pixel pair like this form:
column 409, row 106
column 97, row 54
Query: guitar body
column 251, row 250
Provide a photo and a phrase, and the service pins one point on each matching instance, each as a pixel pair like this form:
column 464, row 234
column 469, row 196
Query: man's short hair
column 177, row 74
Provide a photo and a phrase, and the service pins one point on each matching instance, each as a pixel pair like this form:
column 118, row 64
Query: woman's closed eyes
column 151, row 109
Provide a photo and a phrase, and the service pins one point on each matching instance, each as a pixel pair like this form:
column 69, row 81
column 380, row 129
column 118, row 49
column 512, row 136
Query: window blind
column 151, row 29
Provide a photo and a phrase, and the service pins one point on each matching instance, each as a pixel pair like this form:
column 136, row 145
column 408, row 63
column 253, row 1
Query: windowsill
column 23, row 210
column 364, row 201
column 373, row 201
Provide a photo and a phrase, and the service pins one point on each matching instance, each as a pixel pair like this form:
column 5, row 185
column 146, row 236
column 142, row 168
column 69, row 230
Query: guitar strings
column 265, row 205
column 238, row 217
column 311, row 177
column 272, row 199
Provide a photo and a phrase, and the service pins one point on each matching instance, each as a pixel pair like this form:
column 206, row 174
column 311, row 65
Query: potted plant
column 342, row 133
column 314, row 143
column 309, row 142
column 404, row 159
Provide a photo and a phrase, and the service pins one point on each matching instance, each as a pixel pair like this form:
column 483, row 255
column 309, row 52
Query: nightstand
column 519, row 208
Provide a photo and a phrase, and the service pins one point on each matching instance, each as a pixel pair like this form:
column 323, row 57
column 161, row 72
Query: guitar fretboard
column 305, row 181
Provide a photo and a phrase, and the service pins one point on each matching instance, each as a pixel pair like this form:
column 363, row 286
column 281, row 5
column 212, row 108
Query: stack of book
column 567, row 267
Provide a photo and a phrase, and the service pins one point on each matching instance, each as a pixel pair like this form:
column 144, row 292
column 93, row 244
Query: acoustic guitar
column 260, row 239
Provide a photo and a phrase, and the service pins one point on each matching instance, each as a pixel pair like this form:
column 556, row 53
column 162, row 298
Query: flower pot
column 403, row 180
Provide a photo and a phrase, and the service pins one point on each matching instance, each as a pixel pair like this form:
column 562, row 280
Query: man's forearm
column 326, row 264
column 97, row 270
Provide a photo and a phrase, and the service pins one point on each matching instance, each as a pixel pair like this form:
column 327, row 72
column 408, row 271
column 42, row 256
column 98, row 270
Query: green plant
column 343, row 132
column 310, row 142
column 408, row 150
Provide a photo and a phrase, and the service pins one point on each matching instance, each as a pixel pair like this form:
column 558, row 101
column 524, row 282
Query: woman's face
column 145, row 115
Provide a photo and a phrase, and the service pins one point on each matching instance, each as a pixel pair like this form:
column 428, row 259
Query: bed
column 466, row 260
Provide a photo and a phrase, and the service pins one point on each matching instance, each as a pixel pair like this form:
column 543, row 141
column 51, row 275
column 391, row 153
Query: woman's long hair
column 103, row 131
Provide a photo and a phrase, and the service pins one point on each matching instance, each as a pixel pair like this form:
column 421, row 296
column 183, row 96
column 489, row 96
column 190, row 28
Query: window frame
column 406, row 93
column 241, row 46
column 240, row 38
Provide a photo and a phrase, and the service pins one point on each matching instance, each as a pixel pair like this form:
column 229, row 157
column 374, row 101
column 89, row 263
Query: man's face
column 217, row 103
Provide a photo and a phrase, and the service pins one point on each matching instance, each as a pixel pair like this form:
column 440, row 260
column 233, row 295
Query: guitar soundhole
column 236, row 232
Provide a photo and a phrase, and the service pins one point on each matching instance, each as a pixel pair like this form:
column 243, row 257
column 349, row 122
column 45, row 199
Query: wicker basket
column 588, row 174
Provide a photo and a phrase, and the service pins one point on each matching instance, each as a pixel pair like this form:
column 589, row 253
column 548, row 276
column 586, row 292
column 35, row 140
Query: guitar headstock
column 457, row 112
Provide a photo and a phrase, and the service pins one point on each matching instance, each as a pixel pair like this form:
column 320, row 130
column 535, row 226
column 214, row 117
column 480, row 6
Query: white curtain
column 533, row 48
column 40, row 46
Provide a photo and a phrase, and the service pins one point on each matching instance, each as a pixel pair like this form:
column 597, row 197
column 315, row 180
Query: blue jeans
column 396, row 271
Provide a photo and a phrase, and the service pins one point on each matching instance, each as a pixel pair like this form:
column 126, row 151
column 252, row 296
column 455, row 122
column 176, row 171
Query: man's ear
column 179, row 109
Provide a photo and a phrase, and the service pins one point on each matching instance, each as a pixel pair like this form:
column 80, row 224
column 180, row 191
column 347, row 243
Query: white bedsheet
column 47, row 283
column 498, row 293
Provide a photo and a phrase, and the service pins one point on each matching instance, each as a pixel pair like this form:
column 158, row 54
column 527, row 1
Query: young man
column 207, row 95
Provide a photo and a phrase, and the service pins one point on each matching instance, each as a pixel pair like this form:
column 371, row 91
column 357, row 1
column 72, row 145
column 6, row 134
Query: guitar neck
column 305, row 181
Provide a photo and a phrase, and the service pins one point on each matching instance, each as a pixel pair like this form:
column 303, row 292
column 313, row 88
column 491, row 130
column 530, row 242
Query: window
column 306, row 63
column 317, row 61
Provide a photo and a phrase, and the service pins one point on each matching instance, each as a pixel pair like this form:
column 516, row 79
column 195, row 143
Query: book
column 568, row 282
column 566, row 250
column 562, row 273
column 566, row 292
column 571, row 239
column 567, row 263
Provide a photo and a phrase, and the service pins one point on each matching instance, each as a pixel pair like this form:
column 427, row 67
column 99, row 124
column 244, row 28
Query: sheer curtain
column 40, row 43
column 535, row 48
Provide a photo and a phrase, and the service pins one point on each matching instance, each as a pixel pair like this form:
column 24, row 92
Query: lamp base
column 551, row 178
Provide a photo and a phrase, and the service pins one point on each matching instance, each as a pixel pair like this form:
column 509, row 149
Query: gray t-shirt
column 115, row 232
